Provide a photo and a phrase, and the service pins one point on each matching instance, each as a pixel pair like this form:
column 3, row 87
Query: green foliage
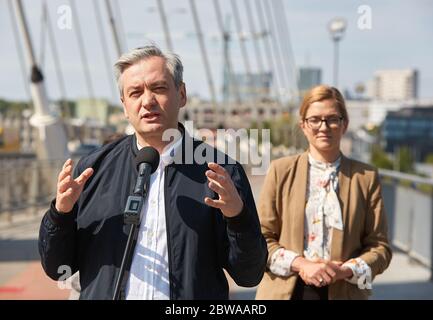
column 12, row 108
column 379, row 158
column 429, row 158
column 283, row 131
column 405, row 160
column 67, row 108
column 426, row 188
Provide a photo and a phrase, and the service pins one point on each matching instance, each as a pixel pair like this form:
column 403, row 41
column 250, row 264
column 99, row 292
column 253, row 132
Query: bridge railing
column 27, row 184
column 30, row 184
column 409, row 206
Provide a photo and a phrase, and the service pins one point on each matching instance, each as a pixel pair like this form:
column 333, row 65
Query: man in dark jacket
column 198, row 219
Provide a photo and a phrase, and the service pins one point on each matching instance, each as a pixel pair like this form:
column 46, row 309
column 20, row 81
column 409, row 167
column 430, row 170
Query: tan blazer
column 282, row 210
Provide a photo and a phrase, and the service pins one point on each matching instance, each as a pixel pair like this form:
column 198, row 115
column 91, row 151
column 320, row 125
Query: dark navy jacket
column 201, row 242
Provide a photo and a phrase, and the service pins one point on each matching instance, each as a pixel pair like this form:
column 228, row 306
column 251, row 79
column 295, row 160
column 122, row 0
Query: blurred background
column 247, row 64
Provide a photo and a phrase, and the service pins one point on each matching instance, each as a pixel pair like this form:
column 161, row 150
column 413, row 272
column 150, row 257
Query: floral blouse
column 322, row 215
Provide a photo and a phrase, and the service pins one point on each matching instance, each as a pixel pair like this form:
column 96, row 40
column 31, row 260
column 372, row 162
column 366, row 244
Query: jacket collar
column 299, row 196
column 134, row 143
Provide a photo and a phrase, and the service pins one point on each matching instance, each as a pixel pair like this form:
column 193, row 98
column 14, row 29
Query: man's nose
column 148, row 100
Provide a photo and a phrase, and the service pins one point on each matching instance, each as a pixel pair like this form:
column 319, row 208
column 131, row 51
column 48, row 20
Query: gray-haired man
column 198, row 219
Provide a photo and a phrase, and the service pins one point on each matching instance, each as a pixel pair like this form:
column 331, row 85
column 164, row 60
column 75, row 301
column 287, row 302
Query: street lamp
column 336, row 27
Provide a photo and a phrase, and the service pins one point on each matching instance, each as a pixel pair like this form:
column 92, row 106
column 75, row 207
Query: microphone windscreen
column 148, row 155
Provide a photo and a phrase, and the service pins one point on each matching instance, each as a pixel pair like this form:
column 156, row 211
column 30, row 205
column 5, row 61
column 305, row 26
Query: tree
column 12, row 108
column 429, row 158
column 380, row 159
column 405, row 161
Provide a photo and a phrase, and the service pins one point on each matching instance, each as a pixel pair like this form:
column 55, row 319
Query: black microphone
column 146, row 162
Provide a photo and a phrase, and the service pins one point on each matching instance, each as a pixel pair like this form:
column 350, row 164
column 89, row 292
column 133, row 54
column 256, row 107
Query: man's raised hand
column 229, row 202
column 69, row 189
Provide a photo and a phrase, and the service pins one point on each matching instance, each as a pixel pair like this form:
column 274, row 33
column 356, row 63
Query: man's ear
column 182, row 92
column 124, row 107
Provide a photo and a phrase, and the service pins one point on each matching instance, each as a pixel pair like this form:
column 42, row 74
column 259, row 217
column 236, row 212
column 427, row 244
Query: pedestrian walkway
column 21, row 273
column 31, row 283
column 403, row 280
column 22, row 277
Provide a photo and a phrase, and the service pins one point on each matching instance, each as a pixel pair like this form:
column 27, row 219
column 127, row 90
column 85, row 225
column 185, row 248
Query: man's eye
column 134, row 94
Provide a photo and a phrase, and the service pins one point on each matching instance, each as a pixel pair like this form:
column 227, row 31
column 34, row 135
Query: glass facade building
column 412, row 128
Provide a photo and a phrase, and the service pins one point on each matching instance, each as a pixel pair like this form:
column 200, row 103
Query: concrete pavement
column 21, row 273
column 22, row 277
column 403, row 280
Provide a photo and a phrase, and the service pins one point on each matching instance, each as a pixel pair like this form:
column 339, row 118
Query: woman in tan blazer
column 322, row 214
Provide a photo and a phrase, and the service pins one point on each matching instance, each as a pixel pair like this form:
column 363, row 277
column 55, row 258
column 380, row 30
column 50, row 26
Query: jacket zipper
column 168, row 233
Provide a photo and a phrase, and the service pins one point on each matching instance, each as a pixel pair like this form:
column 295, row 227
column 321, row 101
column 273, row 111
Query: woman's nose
column 323, row 125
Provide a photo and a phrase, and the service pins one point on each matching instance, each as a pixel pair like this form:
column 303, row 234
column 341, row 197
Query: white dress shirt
column 149, row 274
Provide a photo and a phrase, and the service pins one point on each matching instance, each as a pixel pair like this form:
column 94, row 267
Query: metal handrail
column 405, row 176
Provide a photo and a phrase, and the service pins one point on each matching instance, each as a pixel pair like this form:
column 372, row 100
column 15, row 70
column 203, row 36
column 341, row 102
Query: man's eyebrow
column 152, row 84
column 133, row 87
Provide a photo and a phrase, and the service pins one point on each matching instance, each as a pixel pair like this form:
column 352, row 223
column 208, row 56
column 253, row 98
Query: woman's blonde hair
column 320, row 93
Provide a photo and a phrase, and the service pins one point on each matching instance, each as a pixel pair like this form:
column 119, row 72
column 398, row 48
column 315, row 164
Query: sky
column 401, row 37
